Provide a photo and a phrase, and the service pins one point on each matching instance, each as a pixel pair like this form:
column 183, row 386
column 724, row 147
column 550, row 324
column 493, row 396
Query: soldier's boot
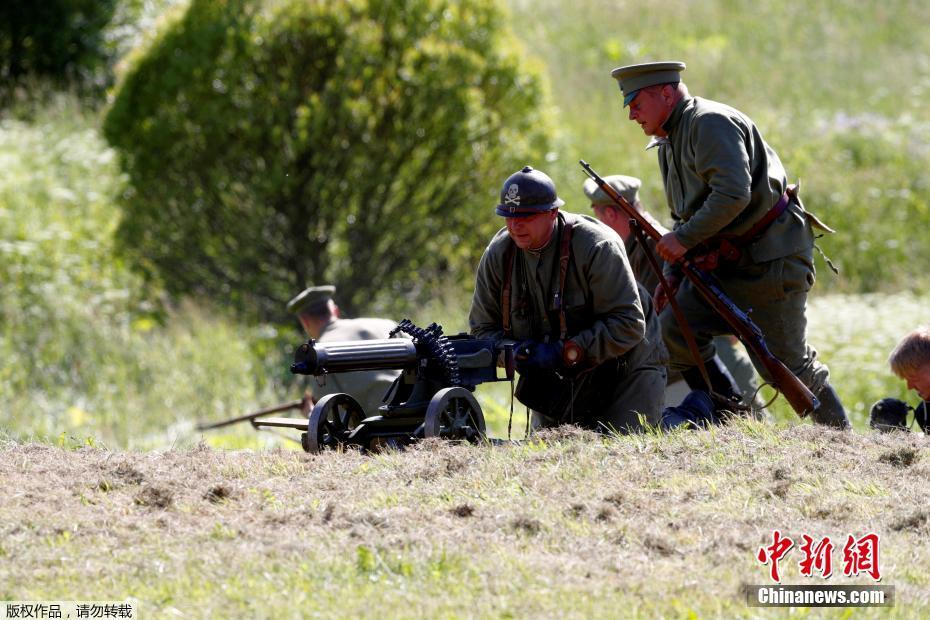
column 721, row 381
column 726, row 393
column 830, row 412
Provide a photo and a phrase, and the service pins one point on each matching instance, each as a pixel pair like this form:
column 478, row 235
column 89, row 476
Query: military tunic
column 720, row 176
column 604, row 311
column 639, row 261
column 367, row 387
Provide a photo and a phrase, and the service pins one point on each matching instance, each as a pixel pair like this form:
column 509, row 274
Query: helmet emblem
column 513, row 196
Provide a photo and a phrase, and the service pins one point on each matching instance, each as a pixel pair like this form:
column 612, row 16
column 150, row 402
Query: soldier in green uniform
column 589, row 347
column 319, row 316
column 734, row 213
column 729, row 359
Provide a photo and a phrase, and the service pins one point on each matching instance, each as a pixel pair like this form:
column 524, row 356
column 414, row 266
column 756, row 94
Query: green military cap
column 631, row 78
column 628, row 187
column 312, row 300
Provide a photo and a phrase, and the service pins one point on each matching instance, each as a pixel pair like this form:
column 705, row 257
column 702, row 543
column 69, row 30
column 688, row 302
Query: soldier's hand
column 659, row 298
column 670, row 248
column 532, row 355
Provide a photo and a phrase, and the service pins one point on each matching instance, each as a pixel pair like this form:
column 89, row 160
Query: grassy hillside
column 570, row 525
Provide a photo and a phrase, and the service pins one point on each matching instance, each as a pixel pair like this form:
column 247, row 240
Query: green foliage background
column 90, row 348
column 60, row 40
column 272, row 144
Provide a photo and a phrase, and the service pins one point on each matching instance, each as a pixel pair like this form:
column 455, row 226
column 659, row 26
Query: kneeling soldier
column 590, row 348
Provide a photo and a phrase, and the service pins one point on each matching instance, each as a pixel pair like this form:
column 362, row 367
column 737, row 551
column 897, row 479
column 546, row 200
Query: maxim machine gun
column 431, row 398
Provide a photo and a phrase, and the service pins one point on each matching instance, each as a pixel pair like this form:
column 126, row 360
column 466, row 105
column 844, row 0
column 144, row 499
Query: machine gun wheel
column 453, row 413
column 331, row 421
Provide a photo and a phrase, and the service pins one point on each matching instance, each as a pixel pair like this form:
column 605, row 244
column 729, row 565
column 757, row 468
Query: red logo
column 859, row 556
column 775, row 552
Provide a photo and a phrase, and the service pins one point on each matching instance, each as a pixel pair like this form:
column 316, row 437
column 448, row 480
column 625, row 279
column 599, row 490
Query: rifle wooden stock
column 294, row 404
column 797, row 394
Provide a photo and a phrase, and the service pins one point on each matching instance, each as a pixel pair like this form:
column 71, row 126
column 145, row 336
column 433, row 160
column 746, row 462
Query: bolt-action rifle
column 801, row 399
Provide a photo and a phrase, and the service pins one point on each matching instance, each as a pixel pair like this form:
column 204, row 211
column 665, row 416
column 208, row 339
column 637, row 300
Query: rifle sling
column 565, row 248
column 676, row 309
column 505, row 291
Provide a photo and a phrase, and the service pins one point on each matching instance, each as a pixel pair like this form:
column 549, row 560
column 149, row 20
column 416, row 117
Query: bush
column 273, row 144
column 61, row 40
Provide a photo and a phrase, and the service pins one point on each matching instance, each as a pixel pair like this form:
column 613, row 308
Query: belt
column 729, row 248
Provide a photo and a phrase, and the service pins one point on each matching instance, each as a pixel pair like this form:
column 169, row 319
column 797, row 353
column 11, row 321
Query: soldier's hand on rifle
column 659, row 298
column 670, row 248
column 532, row 355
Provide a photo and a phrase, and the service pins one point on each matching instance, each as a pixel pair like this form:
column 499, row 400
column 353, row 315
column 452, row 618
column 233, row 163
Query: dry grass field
column 567, row 525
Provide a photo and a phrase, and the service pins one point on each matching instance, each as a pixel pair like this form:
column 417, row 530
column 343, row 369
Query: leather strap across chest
column 730, row 247
column 565, row 248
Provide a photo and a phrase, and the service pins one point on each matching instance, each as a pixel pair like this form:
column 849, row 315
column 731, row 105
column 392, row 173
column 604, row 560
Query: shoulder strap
column 565, row 250
column 505, row 289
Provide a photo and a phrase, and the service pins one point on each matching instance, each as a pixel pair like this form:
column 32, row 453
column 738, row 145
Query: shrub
column 273, row 144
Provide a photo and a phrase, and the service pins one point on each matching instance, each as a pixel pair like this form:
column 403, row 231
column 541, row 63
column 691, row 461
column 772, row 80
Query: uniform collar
column 656, row 141
column 675, row 117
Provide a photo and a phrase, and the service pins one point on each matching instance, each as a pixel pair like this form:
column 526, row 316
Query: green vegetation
column 83, row 352
column 273, row 143
column 60, row 40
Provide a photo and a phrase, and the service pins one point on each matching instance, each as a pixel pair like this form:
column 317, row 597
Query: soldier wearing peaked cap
column 731, row 360
column 589, row 348
column 735, row 214
column 319, row 316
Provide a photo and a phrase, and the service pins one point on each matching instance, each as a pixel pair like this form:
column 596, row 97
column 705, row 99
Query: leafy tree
column 271, row 144
column 62, row 40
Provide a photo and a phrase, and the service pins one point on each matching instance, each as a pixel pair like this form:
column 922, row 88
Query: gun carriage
column 432, row 397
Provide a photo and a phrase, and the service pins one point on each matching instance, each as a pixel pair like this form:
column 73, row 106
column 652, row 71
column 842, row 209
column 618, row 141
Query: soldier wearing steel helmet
column 319, row 316
column 589, row 350
column 735, row 213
